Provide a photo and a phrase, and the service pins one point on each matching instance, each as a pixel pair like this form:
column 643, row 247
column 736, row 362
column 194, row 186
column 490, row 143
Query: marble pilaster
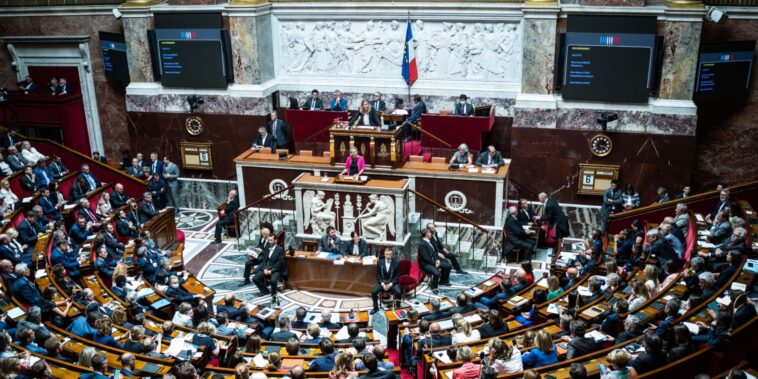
column 245, row 49
column 137, row 45
column 681, row 44
column 539, row 35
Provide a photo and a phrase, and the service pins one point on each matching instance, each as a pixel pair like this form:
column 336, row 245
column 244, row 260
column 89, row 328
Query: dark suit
column 147, row 210
column 57, row 170
column 228, row 217
column 268, row 142
column 277, row 129
column 378, row 374
column 29, row 88
column 357, row 119
column 272, row 259
column 124, row 230
column 416, row 113
column 64, row 89
column 79, row 234
column 525, row 216
column 464, row 109
column 26, row 292
column 135, row 171
column 484, row 159
column 440, row 249
column 647, row 362
column 385, row 276
column 379, row 105
column 48, row 207
column 118, row 200
column 433, row 342
column 15, row 162
column 68, row 260
column 329, row 246
column 12, row 254
column 105, row 266
column 282, row 336
column 27, row 234
column 487, row 330
column 180, row 295
column 90, row 180
column 313, row 104
column 157, row 166
column 159, row 189
column 29, row 183
column 517, row 238
column 742, row 315
column 362, row 250
column 554, row 216
column 579, row 346
column 114, row 248
column 722, row 205
column 428, row 257
column 7, row 140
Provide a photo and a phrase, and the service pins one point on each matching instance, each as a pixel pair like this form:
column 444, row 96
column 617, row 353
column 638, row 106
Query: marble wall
column 727, row 135
column 245, row 49
column 539, row 52
column 214, row 104
column 110, row 95
column 681, row 43
column 138, row 48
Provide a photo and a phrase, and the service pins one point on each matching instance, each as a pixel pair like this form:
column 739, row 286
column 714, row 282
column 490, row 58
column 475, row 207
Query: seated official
column 69, row 259
column 377, row 103
column 147, row 209
column 434, row 266
column 490, row 159
column 387, row 278
column 419, row 108
column 462, row 156
column 433, row 339
column 226, row 215
column 314, row 103
column 57, row 169
column 253, row 258
column 284, row 333
column 264, row 140
column 330, row 242
column 125, row 227
column 355, row 164
column 338, row 103
column 271, row 266
column 462, row 107
column 436, row 311
column 518, row 238
column 356, row 245
column 89, row 179
column 442, row 251
column 50, row 206
column 29, row 181
column 365, row 116
column 105, row 264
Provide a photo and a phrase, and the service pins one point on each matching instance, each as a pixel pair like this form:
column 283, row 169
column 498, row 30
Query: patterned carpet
column 220, row 266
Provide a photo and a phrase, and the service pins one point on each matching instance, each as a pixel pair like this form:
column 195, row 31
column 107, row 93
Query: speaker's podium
column 376, row 207
column 379, row 148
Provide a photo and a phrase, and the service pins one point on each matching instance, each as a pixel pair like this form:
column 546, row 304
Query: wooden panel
column 314, row 274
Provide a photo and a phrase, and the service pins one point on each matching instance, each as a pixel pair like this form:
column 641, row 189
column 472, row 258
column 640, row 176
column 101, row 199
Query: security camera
column 714, row 14
column 605, row 118
column 117, row 13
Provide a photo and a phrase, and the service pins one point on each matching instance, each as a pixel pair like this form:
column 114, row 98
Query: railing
column 477, row 248
column 48, row 3
column 276, row 208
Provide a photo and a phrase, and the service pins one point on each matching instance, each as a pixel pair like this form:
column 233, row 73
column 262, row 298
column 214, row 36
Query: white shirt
column 356, row 249
column 366, row 120
column 462, row 338
column 31, row 155
column 182, row 319
column 512, row 365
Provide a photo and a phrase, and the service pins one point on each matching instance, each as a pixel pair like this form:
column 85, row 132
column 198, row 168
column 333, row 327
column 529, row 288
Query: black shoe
column 245, row 283
column 374, row 310
column 445, row 284
column 461, row 272
column 265, row 292
column 436, row 291
column 216, row 241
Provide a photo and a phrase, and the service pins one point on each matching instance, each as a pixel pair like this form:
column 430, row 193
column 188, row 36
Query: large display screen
column 113, row 50
column 609, row 58
column 724, row 70
column 191, row 58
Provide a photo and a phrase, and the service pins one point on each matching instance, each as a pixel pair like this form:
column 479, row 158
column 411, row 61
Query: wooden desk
column 310, row 273
column 379, row 148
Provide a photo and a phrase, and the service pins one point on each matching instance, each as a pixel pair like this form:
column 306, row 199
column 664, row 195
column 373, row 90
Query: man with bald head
column 433, row 339
column 571, row 278
column 6, row 272
column 118, row 197
column 127, row 364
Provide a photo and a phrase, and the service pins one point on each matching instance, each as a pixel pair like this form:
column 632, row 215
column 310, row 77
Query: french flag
column 410, row 70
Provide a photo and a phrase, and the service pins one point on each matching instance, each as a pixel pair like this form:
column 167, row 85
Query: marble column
column 245, row 49
column 681, row 42
column 540, row 20
column 137, row 21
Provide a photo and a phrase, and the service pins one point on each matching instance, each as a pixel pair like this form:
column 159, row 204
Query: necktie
column 90, row 182
column 152, row 209
column 273, row 128
column 313, row 104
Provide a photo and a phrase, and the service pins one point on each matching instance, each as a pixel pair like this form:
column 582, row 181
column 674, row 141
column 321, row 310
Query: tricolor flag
column 410, row 70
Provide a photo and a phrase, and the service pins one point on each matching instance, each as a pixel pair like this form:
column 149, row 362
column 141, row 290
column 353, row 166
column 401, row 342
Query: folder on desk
column 160, row 304
column 150, row 368
column 312, row 317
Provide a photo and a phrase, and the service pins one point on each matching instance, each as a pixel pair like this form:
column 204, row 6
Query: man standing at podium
column 462, row 108
column 387, row 278
column 434, row 266
column 314, row 103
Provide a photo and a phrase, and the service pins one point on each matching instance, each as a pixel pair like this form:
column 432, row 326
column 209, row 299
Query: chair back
column 405, row 267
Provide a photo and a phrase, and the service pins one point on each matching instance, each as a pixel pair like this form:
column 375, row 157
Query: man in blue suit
column 62, row 255
column 156, row 165
column 104, row 263
column 89, row 179
column 314, row 103
column 49, row 206
column 462, row 107
column 338, row 103
column 81, row 230
column 671, row 310
column 27, row 233
column 23, row 289
column 419, row 108
column 277, row 129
